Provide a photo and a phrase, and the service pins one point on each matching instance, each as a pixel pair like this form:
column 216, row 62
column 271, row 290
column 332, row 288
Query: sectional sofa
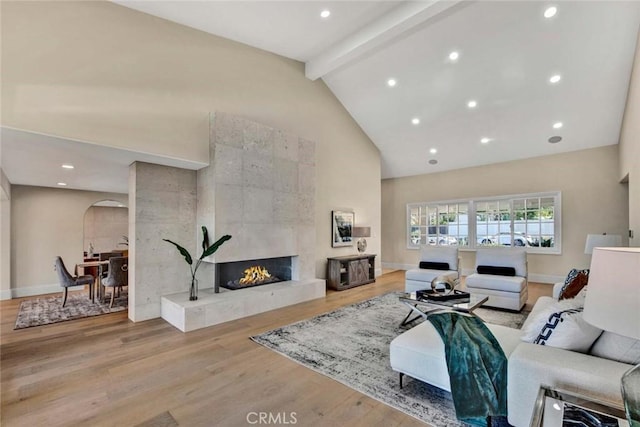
column 419, row 353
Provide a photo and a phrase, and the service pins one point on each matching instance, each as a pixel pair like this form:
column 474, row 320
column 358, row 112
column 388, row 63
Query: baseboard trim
column 32, row 290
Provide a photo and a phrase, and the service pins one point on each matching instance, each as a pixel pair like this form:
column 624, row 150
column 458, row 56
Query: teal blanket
column 477, row 367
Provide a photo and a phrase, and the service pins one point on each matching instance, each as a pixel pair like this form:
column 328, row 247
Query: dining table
column 100, row 265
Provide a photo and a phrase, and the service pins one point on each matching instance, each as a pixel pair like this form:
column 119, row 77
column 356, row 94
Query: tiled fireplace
column 260, row 189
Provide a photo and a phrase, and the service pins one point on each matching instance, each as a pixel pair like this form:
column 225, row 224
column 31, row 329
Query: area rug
column 47, row 310
column 351, row 345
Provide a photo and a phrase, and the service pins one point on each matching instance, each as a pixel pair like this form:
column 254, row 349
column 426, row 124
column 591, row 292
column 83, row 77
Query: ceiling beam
column 399, row 20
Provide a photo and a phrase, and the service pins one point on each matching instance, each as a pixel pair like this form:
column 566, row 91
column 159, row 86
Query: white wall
column 46, row 222
column 630, row 149
column 122, row 78
column 104, row 228
column 593, row 201
column 5, row 237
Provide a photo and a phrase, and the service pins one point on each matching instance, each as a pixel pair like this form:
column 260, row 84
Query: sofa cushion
column 498, row 283
column 498, row 271
column 426, row 275
column 559, row 324
column 503, row 257
column 434, row 265
column 543, row 308
column 617, row 347
column 448, row 254
column 568, row 330
column 575, row 281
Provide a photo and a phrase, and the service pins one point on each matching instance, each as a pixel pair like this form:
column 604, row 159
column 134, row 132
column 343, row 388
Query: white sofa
column 418, row 279
column 419, row 353
column 509, row 292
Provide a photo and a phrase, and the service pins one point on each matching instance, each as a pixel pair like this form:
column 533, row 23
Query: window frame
column 472, row 222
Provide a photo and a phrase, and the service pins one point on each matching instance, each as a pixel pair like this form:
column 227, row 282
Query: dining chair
column 67, row 280
column 117, row 277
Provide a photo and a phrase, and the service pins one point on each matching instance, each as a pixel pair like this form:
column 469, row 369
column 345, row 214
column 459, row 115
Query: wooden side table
column 346, row 272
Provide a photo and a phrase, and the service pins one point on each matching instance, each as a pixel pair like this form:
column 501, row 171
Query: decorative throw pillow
column 498, row 271
column 540, row 314
column 616, row 347
column 575, row 281
column 568, row 330
column 434, row 265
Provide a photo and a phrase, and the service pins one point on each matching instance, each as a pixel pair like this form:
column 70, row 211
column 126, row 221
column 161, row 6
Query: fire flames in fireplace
column 254, row 275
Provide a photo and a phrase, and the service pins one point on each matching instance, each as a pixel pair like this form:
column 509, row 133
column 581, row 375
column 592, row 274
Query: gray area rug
column 47, row 310
column 351, row 345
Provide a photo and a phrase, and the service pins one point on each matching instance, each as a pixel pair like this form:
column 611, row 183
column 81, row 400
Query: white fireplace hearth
column 211, row 308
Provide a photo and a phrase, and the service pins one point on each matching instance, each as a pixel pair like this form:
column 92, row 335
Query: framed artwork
column 342, row 228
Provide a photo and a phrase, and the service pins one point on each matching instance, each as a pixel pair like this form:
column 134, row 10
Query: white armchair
column 502, row 275
column 435, row 261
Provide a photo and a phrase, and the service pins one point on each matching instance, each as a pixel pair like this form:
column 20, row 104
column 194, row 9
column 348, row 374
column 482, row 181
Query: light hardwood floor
column 110, row 371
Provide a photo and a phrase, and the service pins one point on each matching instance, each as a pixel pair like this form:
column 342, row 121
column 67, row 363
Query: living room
column 104, row 74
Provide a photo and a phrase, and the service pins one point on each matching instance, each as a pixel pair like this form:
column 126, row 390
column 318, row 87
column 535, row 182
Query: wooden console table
column 346, row 272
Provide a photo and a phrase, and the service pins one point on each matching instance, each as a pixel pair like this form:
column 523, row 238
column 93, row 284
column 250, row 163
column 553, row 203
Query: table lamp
column 601, row 240
column 362, row 232
column 613, row 304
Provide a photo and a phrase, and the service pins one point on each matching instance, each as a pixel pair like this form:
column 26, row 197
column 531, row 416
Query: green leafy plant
column 207, row 250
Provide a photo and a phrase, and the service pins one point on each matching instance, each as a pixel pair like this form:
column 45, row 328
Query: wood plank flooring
column 109, row 371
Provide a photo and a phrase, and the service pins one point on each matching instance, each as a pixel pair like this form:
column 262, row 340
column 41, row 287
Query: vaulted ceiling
column 472, row 78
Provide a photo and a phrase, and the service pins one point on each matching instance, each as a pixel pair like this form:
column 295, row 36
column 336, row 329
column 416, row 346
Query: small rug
column 47, row 310
column 351, row 345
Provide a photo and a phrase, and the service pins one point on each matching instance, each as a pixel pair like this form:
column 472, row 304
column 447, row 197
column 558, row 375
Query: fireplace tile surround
column 260, row 188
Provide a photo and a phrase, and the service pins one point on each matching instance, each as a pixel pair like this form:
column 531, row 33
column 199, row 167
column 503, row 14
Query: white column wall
column 162, row 205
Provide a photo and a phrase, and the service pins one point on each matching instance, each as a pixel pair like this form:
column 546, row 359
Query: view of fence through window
column 524, row 220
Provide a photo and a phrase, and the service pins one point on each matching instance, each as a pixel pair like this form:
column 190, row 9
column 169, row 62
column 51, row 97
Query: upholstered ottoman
column 419, row 352
column 443, row 257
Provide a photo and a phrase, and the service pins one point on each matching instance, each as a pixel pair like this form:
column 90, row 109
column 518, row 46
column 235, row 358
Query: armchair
column 434, row 261
column 502, row 275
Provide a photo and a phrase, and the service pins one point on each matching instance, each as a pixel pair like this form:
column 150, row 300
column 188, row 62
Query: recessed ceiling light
column 550, row 12
column 485, row 140
column 433, row 162
column 415, row 121
column 555, row 78
column 325, row 13
column 557, row 125
column 433, row 151
column 391, row 82
column 454, row 56
column 555, row 139
column 67, row 166
column 472, row 104
column 62, row 184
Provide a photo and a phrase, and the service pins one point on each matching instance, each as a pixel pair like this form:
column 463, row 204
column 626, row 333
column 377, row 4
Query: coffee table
column 423, row 307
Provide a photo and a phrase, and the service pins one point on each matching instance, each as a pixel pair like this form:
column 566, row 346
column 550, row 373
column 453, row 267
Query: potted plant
column 207, row 250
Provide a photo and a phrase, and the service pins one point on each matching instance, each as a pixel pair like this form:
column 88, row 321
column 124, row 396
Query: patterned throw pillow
column 568, row 330
column 575, row 281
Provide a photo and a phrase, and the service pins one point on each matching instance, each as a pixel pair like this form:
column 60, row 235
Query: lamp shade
column 601, row 240
column 361, row 232
column 613, row 292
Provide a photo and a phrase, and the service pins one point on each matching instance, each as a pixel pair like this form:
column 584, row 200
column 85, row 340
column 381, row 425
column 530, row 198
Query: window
column 527, row 220
column 444, row 224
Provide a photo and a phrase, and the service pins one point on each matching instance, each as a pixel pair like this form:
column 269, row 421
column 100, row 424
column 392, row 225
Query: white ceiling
column 508, row 51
